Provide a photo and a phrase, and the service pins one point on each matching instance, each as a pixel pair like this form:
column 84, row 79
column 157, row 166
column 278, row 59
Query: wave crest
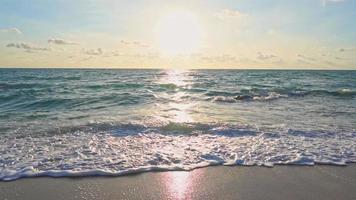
column 130, row 148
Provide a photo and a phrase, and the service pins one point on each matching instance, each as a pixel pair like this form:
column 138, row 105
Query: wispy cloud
column 149, row 55
column 346, row 49
column 339, row 58
column 93, row 52
column 61, row 42
column 11, row 30
column 305, row 58
column 325, row 2
column 27, row 46
column 261, row 56
column 229, row 14
column 301, row 61
column 133, row 43
column 116, row 53
column 330, row 63
column 218, row 59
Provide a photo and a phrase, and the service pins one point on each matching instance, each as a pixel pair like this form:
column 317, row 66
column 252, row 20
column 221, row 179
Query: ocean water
column 56, row 122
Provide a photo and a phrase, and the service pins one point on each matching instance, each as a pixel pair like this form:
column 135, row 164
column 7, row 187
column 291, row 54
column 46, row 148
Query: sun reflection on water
column 176, row 77
column 177, row 110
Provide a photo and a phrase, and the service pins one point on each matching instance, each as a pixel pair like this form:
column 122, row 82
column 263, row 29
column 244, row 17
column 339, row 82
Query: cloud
column 305, row 58
column 326, row 58
column 149, row 55
column 325, row 2
column 229, row 14
column 346, row 49
column 271, row 31
column 93, row 52
column 261, row 56
column 219, row 59
column 303, row 61
column 339, row 58
column 116, row 53
column 61, row 42
column 330, row 63
column 134, row 43
column 278, row 61
column 27, row 46
column 11, row 30
column 152, row 55
column 125, row 42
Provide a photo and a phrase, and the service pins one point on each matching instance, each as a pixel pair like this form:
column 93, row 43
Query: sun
column 179, row 33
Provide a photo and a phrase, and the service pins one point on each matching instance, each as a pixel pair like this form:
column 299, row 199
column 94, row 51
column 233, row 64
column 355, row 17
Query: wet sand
column 280, row 182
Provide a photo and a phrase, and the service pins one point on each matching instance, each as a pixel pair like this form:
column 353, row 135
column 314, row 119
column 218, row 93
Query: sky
column 241, row 34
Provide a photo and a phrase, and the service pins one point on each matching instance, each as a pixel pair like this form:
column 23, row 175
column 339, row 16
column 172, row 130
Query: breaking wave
column 112, row 150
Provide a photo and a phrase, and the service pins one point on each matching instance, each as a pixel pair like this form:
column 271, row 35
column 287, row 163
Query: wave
column 338, row 93
column 221, row 93
column 224, row 99
column 114, row 85
column 211, row 160
column 169, row 86
column 272, row 95
column 24, row 101
column 268, row 97
column 10, row 86
column 113, row 150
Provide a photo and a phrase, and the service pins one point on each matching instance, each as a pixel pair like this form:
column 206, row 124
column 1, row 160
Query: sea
column 111, row 122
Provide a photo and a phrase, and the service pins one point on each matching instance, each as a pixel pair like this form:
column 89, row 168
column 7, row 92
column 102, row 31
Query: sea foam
column 109, row 153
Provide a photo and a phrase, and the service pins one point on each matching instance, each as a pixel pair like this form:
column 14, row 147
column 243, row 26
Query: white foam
column 345, row 90
column 85, row 153
column 224, row 99
column 270, row 96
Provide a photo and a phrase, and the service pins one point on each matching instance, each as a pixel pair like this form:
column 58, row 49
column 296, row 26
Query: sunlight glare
column 179, row 33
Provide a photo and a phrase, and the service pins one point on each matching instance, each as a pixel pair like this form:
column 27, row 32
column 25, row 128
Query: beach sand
column 237, row 182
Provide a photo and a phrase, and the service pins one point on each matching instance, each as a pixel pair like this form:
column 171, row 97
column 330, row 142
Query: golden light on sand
column 181, row 185
column 179, row 32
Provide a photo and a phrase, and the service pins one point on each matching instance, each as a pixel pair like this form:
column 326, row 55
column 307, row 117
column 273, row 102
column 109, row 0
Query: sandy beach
column 177, row 100
column 279, row 182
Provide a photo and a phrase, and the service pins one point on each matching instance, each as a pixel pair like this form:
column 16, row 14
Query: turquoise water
column 76, row 122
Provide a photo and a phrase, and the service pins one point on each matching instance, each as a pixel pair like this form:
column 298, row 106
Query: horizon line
column 175, row 68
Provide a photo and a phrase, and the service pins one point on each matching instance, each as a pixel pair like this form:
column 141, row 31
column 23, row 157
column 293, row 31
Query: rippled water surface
column 60, row 122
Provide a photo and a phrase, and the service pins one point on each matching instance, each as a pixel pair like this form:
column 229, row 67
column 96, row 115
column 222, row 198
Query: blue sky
column 231, row 34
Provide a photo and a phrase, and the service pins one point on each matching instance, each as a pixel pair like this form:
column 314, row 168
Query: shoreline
column 137, row 171
column 213, row 182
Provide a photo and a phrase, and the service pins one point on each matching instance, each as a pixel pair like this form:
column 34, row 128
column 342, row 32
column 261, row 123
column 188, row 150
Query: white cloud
column 278, row 61
column 11, row 30
column 134, row 43
column 339, row 58
column 93, row 52
column 330, row 63
column 305, row 58
column 149, row 55
column 324, row 58
column 116, row 53
column 301, row 61
column 325, row 2
column 219, row 58
column 229, row 14
column 125, row 42
column 61, row 42
column 261, row 56
column 27, row 46
column 346, row 49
